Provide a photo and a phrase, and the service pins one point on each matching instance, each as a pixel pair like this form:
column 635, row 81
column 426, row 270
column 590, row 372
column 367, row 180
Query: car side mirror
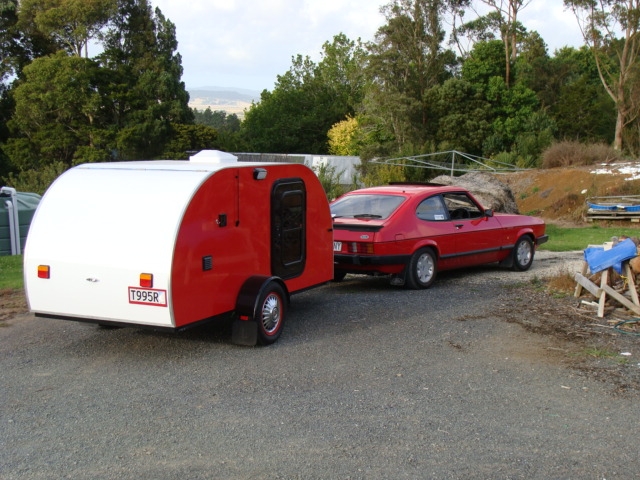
column 488, row 212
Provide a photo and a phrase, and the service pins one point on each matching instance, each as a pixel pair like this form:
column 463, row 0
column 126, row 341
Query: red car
column 413, row 231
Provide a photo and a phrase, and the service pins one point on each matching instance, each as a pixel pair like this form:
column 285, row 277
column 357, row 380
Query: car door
column 434, row 224
column 478, row 236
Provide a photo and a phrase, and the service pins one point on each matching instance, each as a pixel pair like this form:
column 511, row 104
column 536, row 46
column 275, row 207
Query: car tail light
column 146, row 280
column 44, row 271
column 358, row 247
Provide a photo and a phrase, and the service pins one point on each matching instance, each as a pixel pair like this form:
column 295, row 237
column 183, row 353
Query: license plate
column 337, row 246
column 148, row 296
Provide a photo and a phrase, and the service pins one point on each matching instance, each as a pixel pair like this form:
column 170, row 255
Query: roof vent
column 213, row 156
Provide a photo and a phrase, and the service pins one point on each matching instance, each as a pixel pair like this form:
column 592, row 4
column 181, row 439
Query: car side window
column 432, row 209
column 461, row 206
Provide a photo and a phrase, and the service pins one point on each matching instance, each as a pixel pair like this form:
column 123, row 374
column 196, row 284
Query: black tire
column 421, row 270
column 522, row 255
column 338, row 275
column 271, row 313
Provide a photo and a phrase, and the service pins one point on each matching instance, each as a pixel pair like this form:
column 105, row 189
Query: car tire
column 522, row 255
column 421, row 269
column 338, row 275
column 271, row 313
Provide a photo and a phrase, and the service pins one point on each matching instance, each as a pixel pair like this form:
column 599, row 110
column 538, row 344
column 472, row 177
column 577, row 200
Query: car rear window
column 366, row 206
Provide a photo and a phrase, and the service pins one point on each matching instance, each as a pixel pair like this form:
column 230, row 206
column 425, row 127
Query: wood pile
column 610, row 289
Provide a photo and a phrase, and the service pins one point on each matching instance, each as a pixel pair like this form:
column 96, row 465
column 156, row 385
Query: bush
column 567, row 154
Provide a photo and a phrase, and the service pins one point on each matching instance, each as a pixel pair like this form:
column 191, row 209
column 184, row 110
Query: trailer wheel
column 271, row 313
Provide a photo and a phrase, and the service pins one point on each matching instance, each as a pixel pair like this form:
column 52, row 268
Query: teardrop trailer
column 172, row 244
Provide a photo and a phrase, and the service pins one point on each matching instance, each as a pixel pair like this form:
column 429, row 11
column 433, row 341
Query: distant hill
column 231, row 100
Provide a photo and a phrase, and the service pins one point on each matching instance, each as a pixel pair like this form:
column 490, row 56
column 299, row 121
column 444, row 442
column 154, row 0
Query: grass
column 11, row 272
column 604, row 353
column 563, row 239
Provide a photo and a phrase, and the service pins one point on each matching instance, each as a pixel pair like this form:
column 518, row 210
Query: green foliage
column 405, row 61
column 35, row 180
column 145, row 94
column 485, row 61
column 307, row 101
column 330, row 179
column 462, row 114
column 70, row 23
column 409, row 94
column 217, row 119
column 186, row 139
column 373, row 174
column 58, row 109
column 611, row 30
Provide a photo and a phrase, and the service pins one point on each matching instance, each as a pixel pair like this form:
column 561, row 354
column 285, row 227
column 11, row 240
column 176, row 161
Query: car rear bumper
column 341, row 259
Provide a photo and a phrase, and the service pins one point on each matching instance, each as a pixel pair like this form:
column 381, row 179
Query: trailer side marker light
column 146, row 280
column 259, row 173
column 44, row 271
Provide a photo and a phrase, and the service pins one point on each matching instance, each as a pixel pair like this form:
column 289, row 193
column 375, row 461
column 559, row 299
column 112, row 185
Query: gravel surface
column 367, row 381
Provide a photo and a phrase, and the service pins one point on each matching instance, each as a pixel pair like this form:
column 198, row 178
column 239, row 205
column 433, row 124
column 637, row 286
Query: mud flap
column 244, row 332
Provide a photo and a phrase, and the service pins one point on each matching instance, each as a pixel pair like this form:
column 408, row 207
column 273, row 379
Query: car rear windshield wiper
column 367, row 215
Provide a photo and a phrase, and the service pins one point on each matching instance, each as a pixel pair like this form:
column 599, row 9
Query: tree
column 147, row 93
column 59, row 114
column 307, row 101
column 570, row 91
column 187, row 139
column 503, row 20
column 405, row 61
column 463, row 116
column 218, row 119
column 343, row 136
column 601, row 23
column 71, row 23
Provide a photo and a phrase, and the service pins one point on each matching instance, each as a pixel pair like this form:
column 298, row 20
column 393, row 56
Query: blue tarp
column 600, row 259
column 615, row 208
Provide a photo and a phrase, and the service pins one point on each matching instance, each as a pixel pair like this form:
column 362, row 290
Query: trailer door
column 288, row 227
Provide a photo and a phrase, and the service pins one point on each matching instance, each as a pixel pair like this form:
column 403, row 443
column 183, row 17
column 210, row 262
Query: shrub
column 567, row 154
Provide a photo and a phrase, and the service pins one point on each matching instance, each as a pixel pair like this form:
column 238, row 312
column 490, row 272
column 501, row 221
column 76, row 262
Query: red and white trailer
column 171, row 244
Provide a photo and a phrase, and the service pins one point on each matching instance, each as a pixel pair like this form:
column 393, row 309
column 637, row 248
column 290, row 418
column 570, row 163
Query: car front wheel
column 421, row 269
column 523, row 254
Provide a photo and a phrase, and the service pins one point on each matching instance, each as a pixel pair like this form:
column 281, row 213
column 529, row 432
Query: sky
column 245, row 44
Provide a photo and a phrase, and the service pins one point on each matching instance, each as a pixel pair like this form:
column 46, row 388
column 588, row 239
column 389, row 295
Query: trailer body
column 170, row 244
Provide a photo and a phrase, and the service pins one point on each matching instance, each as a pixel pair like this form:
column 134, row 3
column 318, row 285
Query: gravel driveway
column 367, row 381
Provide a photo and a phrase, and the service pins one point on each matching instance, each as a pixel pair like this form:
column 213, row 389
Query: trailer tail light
column 358, row 247
column 44, row 271
column 146, row 280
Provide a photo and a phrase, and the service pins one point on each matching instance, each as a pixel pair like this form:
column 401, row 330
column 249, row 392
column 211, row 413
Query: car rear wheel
column 421, row 269
column 271, row 313
column 338, row 275
column 523, row 254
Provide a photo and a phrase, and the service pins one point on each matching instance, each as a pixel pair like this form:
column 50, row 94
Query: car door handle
column 459, row 226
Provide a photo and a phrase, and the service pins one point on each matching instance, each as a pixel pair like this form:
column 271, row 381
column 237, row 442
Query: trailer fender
column 250, row 303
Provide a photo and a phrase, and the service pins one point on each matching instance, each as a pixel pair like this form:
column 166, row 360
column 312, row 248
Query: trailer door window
column 288, row 228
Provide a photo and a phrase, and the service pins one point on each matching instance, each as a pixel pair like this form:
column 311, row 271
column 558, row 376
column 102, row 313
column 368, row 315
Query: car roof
column 407, row 189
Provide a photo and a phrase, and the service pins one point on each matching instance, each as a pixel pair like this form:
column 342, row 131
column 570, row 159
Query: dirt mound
column 559, row 194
